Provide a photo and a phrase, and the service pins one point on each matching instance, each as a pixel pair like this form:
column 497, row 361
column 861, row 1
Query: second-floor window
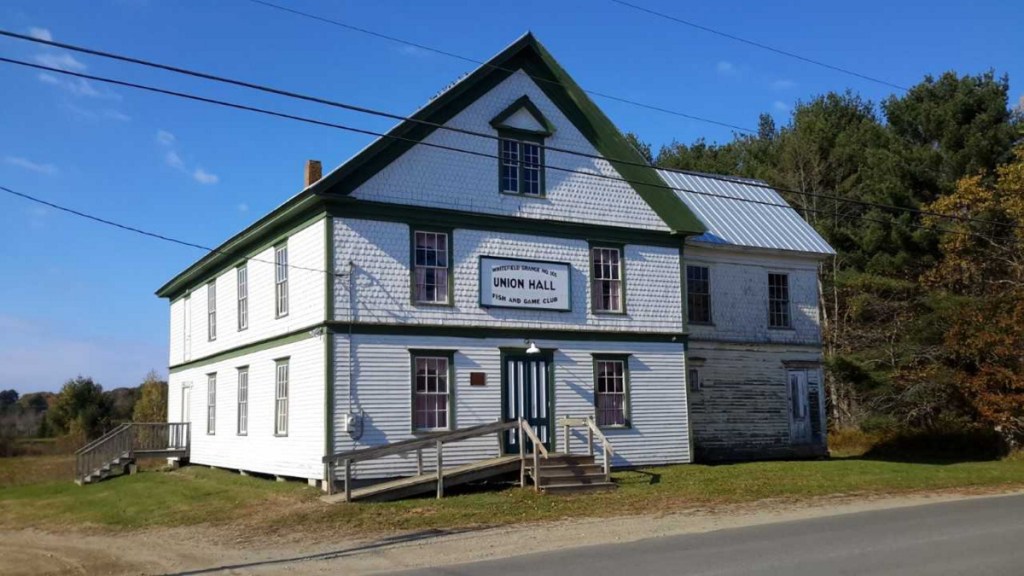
column 211, row 310
column 281, row 280
column 606, row 279
column 243, row 296
column 522, row 167
column 698, row 294
column 778, row 301
column 431, row 268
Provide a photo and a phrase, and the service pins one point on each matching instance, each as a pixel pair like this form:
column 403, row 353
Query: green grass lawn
column 38, row 492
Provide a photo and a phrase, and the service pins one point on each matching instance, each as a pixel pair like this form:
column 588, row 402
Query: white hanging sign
column 533, row 284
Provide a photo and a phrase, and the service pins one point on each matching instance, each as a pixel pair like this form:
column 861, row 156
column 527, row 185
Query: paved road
column 976, row 537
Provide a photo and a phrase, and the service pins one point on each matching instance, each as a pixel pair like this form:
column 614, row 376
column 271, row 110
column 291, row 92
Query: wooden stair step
column 571, row 479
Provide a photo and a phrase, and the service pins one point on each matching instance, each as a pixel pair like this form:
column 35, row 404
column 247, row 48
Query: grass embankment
column 37, row 492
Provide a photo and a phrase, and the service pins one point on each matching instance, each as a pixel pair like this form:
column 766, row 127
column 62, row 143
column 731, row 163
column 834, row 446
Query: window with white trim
column 211, row 310
column 243, row 401
column 211, row 403
column 281, row 280
column 606, row 279
column 698, row 294
column 610, row 391
column 778, row 301
column 521, row 167
column 281, row 398
column 242, row 275
column 431, row 392
column 431, row 268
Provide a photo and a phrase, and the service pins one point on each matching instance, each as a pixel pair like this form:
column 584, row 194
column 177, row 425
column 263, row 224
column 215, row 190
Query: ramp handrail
column 436, row 440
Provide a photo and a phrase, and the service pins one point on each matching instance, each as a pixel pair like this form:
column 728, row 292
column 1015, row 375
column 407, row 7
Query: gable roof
column 732, row 220
column 529, row 55
column 525, row 54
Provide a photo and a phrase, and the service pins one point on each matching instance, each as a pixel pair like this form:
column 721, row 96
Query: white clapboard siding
column 383, row 395
column 297, row 454
column 381, row 253
column 426, row 176
column 739, row 296
column 305, row 291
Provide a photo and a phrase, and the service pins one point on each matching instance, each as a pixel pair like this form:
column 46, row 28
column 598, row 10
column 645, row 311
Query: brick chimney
column 314, row 171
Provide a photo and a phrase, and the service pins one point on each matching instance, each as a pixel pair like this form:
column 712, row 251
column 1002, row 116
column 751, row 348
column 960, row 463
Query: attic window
column 522, row 129
column 522, row 170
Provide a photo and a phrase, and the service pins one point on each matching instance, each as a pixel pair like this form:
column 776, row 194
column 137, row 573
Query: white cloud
column 47, row 78
column 174, row 160
column 725, row 68
column 781, row 106
column 41, row 34
column 204, row 177
column 62, row 61
column 783, row 84
column 243, row 207
column 164, row 137
column 27, row 164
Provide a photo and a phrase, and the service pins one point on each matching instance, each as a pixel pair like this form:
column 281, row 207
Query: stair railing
column 593, row 432
column 527, row 431
column 131, row 439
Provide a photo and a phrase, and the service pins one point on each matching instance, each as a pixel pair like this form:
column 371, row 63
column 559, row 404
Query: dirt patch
column 207, row 550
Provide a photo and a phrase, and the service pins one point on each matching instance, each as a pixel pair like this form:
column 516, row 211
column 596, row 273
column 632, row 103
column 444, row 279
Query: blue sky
column 77, row 298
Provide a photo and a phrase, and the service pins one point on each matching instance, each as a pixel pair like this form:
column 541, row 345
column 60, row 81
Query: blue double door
column 526, row 381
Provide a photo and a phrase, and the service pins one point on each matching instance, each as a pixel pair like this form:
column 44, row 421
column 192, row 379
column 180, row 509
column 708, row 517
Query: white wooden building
column 399, row 295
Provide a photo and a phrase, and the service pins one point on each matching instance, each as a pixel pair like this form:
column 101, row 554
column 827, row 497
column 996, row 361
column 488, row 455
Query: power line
column 136, row 230
column 476, row 61
column 758, row 45
column 393, row 116
column 313, row 121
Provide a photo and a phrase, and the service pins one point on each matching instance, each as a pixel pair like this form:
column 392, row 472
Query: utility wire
column 757, row 45
column 671, row 189
column 496, row 67
column 393, row 116
column 136, row 230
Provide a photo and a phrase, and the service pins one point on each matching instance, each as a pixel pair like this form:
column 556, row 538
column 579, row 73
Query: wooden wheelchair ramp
column 428, row 483
column 550, row 473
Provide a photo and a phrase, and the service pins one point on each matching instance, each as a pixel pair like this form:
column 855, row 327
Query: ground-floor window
column 211, row 403
column 611, row 390
column 432, row 377
column 281, row 398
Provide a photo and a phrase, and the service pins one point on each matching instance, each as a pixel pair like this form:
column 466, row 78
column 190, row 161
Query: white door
column 799, row 407
column 187, row 306
column 186, row 402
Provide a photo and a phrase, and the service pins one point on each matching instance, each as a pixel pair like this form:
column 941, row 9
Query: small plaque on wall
column 477, row 378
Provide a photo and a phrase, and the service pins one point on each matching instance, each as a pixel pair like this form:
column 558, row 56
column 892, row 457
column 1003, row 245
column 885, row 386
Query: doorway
column 526, row 392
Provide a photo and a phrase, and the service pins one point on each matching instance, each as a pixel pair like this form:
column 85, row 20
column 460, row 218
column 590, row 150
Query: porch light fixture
column 533, row 347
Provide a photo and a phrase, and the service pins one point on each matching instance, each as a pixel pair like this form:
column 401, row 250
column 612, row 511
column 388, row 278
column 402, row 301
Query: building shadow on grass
column 938, row 447
column 330, row 555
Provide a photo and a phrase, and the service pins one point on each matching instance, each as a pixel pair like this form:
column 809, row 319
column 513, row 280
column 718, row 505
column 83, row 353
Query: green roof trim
column 525, row 54
column 529, row 55
column 523, row 103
